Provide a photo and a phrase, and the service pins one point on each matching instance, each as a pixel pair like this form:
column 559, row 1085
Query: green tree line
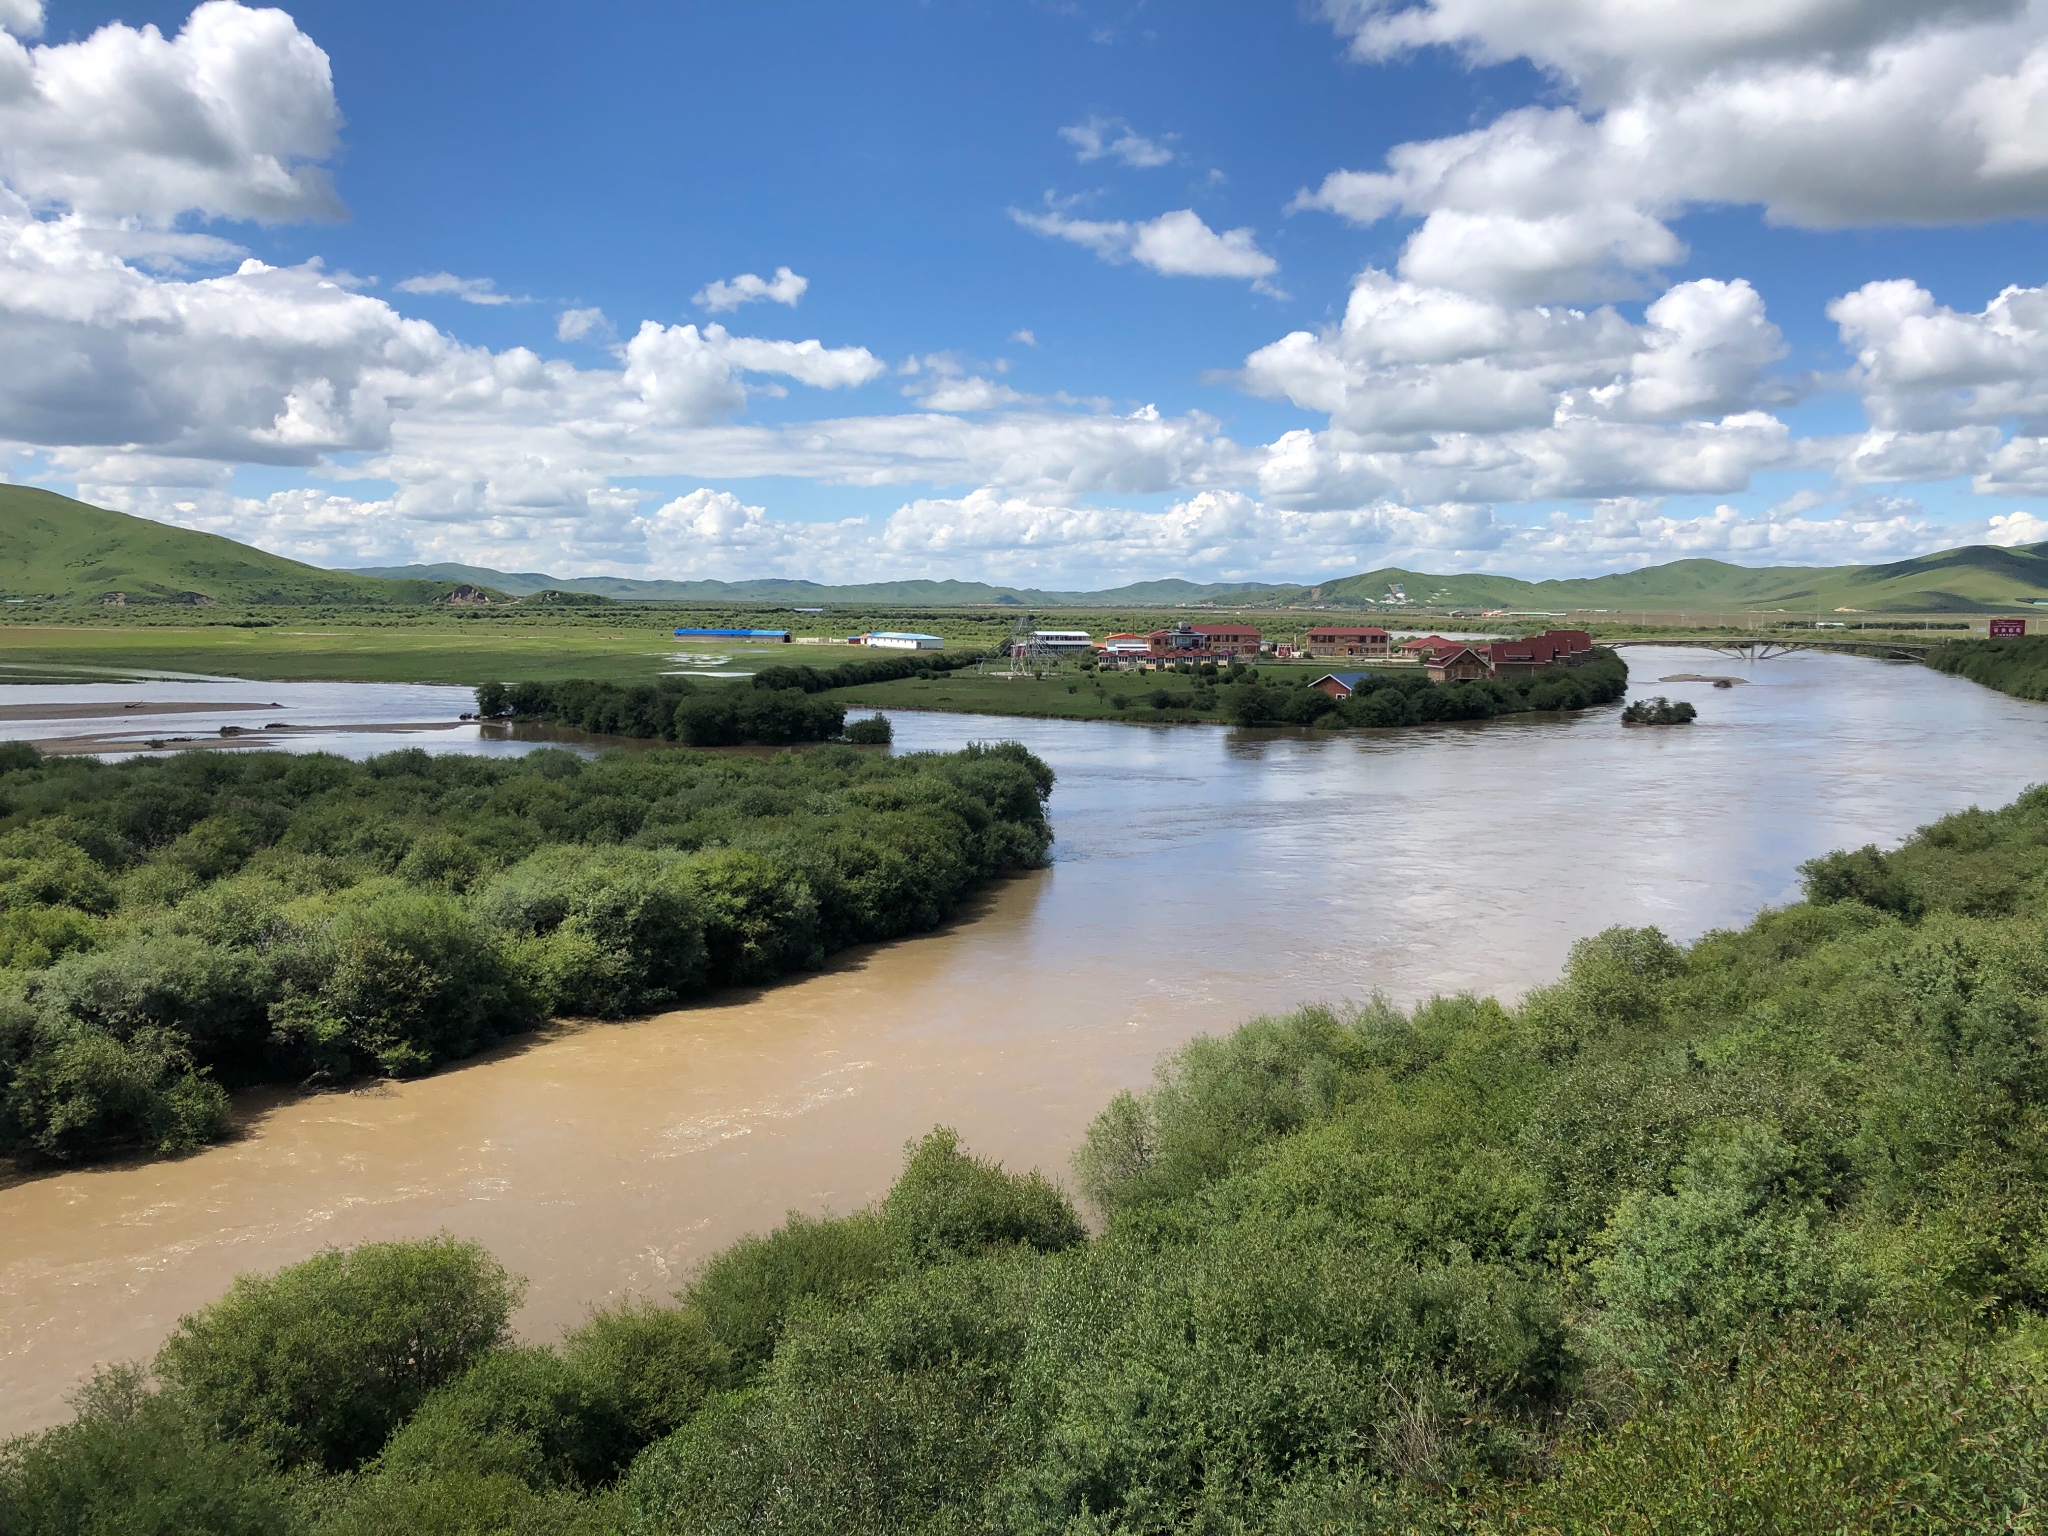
column 777, row 709
column 1744, row 1237
column 173, row 928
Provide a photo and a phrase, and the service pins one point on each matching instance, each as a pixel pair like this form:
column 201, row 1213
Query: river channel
column 1202, row 876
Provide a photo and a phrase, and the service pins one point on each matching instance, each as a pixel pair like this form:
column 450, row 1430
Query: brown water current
column 1202, row 876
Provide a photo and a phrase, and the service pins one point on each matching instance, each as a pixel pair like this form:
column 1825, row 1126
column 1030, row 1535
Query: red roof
column 1541, row 650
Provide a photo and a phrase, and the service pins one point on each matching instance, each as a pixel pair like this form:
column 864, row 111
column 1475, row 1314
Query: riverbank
column 1664, row 1244
column 2017, row 666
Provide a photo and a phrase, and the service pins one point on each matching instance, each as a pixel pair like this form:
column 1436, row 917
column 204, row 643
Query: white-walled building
column 897, row 640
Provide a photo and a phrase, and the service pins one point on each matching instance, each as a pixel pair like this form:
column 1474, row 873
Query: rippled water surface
column 1202, row 875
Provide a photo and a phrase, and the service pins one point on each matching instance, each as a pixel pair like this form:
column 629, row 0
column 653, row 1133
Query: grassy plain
column 428, row 652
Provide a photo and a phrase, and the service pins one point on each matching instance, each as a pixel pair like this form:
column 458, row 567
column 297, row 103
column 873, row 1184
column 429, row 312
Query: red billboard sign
column 2008, row 629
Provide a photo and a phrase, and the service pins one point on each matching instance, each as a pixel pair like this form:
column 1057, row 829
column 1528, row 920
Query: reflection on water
column 117, row 718
column 1201, row 876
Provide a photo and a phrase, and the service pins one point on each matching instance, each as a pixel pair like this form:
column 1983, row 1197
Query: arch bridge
column 1764, row 647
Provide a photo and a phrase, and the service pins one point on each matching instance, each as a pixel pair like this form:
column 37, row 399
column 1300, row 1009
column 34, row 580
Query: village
column 1444, row 659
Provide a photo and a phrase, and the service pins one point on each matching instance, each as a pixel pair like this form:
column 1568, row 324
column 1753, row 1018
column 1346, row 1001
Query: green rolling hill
column 54, row 547
column 1969, row 579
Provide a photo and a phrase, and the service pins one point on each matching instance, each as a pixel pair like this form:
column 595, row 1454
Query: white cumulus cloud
column 785, row 287
column 230, row 118
column 24, row 18
column 471, row 290
column 1176, row 244
column 1111, row 138
column 582, row 325
column 1825, row 113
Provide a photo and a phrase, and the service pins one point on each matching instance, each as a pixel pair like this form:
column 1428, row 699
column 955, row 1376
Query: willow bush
column 2018, row 666
column 176, row 927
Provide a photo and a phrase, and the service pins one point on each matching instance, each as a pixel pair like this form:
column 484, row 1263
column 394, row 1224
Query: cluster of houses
column 1445, row 660
column 1459, row 661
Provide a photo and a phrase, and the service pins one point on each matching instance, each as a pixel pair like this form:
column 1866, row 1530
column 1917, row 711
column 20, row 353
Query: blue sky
column 1076, row 293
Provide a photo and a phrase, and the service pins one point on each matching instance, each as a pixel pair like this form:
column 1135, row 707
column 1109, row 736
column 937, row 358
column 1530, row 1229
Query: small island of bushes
column 778, row 706
column 172, row 928
column 1659, row 711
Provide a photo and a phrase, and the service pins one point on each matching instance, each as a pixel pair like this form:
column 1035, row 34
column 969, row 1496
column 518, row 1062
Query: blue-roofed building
column 1339, row 685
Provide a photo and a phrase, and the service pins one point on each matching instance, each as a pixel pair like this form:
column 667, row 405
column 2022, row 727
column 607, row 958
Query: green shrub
column 653, row 1365
column 874, row 731
column 1819, row 1429
column 948, row 1205
column 318, row 1363
column 76, row 1091
column 611, row 931
column 1216, row 1101
column 883, row 1419
column 760, row 916
column 1863, row 874
column 520, row 1413
column 747, row 1294
column 135, row 1463
column 1742, row 1239
column 460, row 1502
column 416, row 981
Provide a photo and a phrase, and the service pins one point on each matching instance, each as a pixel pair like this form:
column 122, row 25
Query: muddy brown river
column 1202, row 876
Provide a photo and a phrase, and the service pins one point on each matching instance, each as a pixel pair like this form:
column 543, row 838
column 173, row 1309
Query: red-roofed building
column 1552, row 648
column 1458, row 664
column 1336, row 641
column 1196, row 641
column 1427, row 645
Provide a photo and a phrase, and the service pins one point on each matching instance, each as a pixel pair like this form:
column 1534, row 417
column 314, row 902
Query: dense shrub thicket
column 675, row 709
column 1750, row 1237
column 2018, row 666
column 777, row 709
column 171, row 928
column 1408, row 697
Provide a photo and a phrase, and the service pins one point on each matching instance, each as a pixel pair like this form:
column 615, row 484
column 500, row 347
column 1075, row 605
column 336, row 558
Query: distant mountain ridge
column 54, row 547
column 939, row 594
column 1969, row 578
